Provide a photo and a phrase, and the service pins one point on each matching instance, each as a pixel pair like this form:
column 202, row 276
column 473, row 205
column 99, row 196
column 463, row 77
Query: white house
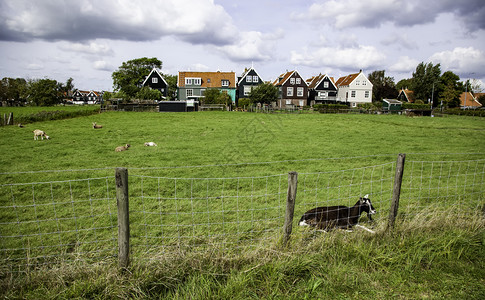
column 354, row 89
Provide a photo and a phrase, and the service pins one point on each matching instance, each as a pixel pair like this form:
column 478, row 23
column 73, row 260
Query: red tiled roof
column 282, row 78
column 468, row 100
column 209, row 79
column 346, row 80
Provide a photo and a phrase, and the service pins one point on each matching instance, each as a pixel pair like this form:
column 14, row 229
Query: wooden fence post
column 290, row 205
column 122, row 202
column 10, row 119
column 396, row 191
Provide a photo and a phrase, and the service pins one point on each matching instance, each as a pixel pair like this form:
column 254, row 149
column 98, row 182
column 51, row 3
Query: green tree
column 383, row 86
column 264, row 93
column 425, row 76
column 216, row 96
column 44, row 92
column 130, row 75
column 14, row 89
column 404, row 84
column 451, row 89
column 481, row 99
column 172, row 86
column 146, row 93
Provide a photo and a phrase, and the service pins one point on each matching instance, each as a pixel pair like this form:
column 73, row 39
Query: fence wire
column 44, row 223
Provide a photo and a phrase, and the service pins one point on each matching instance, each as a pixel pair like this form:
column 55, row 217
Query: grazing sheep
column 122, row 148
column 150, row 144
column 40, row 133
column 96, row 126
column 328, row 217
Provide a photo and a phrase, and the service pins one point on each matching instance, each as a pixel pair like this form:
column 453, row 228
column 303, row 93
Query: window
column 292, row 80
column 364, row 82
column 289, row 91
column 367, row 94
column 154, row 80
column 225, row 82
column 255, row 79
column 325, row 85
column 247, row 90
column 298, row 81
column 288, row 102
column 301, row 103
column 354, row 104
column 322, row 94
column 190, row 93
column 357, row 82
column 299, row 92
column 192, row 81
column 249, row 78
column 352, row 94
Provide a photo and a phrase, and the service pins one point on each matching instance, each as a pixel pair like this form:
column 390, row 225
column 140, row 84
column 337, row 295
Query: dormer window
column 192, row 81
column 225, row 82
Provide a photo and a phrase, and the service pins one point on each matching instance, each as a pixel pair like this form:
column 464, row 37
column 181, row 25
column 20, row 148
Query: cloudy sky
column 87, row 39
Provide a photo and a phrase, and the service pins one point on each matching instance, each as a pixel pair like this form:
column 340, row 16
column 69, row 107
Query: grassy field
column 232, row 167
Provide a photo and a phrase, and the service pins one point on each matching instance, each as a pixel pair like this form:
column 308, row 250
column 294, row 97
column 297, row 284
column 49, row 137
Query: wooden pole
column 290, row 205
column 396, row 192
column 10, row 119
column 122, row 202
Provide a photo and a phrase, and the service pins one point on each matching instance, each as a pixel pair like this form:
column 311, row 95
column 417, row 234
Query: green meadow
column 207, row 206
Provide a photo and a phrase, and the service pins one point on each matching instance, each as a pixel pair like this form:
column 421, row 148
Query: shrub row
column 54, row 115
column 465, row 112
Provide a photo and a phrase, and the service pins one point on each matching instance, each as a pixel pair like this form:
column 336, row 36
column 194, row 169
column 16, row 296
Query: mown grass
column 233, row 153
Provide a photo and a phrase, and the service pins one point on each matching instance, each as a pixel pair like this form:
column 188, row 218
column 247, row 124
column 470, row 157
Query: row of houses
column 294, row 90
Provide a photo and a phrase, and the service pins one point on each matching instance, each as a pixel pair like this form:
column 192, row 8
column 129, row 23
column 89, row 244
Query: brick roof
column 209, row 79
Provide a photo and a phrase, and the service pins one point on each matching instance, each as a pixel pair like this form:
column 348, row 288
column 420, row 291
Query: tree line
column 428, row 84
column 37, row 92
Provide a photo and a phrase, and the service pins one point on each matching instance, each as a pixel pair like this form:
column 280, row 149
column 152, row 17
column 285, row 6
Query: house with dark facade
column 406, row 95
column 192, row 85
column 246, row 82
column 155, row 81
column 293, row 90
column 87, row 97
column 321, row 89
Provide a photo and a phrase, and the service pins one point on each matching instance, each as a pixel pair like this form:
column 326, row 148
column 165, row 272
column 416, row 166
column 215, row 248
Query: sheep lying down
column 344, row 217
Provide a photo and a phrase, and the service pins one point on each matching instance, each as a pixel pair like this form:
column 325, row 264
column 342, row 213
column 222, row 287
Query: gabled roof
column 208, row 79
column 315, row 81
column 149, row 75
column 246, row 73
column 283, row 78
column 468, row 100
column 408, row 94
column 347, row 80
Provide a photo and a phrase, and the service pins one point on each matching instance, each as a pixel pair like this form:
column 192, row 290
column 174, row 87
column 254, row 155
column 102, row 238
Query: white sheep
column 122, row 148
column 96, row 126
column 40, row 133
column 150, row 144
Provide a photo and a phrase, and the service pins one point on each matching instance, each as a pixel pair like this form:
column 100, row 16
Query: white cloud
column 103, row 66
column 374, row 13
column 88, row 48
column 361, row 57
column 464, row 61
column 252, row 46
column 195, row 21
column 404, row 64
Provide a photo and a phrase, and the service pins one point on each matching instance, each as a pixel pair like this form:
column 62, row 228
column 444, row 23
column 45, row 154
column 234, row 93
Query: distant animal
column 329, row 217
column 122, row 148
column 20, row 125
column 96, row 126
column 150, row 144
column 40, row 133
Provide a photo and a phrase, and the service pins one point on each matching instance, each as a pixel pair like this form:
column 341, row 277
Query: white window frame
column 292, row 80
column 367, row 94
column 192, row 81
column 249, row 78
column 189, row 91
column 298, row 81
column 364, row 82
column 255, row 79
column 352, row 94
column 357, row 82
column 224, row 82
column 300, row 92
column 289, row 91
column 288, row 102
column 301, row 103
column 247, row 90
column 154, row 80
column 325, row 85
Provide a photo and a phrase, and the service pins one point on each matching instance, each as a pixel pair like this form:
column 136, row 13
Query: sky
column 88, row 40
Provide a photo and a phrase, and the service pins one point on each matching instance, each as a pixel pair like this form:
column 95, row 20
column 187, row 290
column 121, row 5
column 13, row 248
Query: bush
column 407, row 105
column 329, row 108
column 242, row 102
column 465, row 112
column 55, row 115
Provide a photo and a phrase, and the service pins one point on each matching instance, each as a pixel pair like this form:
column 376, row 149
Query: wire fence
column 44, row 223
